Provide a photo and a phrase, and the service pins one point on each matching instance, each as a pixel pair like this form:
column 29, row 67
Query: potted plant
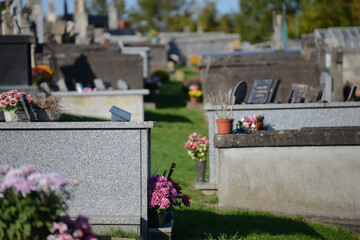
column 250, row 123
column 194, row 94
column 163, row 195
column 223, row 106
column 12, row 106
column 40, row 74
column 198, row 147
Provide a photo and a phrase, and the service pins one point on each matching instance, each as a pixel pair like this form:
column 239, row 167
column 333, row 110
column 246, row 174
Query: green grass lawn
column 203, row 220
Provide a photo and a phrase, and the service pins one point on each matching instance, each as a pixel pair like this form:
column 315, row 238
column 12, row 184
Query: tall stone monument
column 51, row 17
column 82, row 22
column 112, row 16
column 37, row 17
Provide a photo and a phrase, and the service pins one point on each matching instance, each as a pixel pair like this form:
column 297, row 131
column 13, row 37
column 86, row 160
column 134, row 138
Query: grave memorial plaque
column 274, row 91
column 240, row 92
column 299, row 93
column 29, row 111
column 260, row 91
column 118, row 114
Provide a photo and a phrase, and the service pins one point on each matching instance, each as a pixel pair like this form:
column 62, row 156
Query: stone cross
column 51, row 17
column 112, row 15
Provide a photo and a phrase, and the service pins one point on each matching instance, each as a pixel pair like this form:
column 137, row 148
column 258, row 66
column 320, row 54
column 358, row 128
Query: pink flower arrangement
column 25, row 179
column 11, row 101
column 164, row 193
column 197, row 146
column 68, row 229
column 248, row 124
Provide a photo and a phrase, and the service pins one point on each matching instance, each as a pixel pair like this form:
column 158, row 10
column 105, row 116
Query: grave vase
column 224, row 126
column 200, row 168
column 194, row 100
column 15, row 117
column 156, row 219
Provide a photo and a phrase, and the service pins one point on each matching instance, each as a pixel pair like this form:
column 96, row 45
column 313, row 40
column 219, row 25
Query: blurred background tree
column 100, row 7
column 162, row 15
column 328, row 13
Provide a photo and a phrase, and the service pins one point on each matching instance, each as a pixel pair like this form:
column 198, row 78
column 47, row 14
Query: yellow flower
column 46, row 68
column 195, row 93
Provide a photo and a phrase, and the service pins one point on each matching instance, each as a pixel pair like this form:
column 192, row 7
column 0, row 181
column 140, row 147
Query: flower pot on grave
column 200, row 168
column 156, row 219
column 15, row 117
column 224, row 126
column 259, row 126
column 194, row 100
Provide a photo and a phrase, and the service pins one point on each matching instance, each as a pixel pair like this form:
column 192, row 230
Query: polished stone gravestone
column 351, row 96
column 320, row 92
column 62, row 85
column 260, row 91
column 29, row 111
column 118, row 114
column 99, row 84
column 15, row 60
column 122, row 85
column 274, row 91
column 240, row 92
column 298, row 93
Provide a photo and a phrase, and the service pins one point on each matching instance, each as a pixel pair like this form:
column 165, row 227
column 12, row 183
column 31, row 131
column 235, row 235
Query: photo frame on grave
column 29, row 111
column 240, row 92
column 260, row 91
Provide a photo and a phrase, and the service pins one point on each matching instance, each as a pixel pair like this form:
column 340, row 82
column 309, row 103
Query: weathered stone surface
column 111, row 160
column 286, row 117
column 85, row 63
column 319, row 181
column 289, row 66
column 326, row 136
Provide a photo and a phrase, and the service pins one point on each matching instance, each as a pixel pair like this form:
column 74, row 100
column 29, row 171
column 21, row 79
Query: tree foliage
column 328, row 13
column 100, row 7
column 162, row 15
column 255, row 20
column 208, row 18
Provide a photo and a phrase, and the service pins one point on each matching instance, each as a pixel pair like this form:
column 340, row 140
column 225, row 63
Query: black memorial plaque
column 260, row 91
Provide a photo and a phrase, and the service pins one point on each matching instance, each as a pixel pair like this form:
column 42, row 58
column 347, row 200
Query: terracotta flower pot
column 224, row 126
column 259, row 126
column 194, row 100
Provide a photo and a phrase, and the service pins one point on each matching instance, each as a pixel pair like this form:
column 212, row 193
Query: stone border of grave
column 306, row 172
column 111, row 160
column 284, row 117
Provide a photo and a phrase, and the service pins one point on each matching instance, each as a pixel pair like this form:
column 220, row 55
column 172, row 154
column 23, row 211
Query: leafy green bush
column 163, row 75
column 29, row 202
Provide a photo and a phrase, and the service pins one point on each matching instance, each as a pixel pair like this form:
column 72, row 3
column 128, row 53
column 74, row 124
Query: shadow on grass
column 171, row 96
column 196, row 224
column 153, row 116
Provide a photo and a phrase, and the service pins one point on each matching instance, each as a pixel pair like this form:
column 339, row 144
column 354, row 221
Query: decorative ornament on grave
column 197, row 148
column 13, row 105
column 163, row 195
